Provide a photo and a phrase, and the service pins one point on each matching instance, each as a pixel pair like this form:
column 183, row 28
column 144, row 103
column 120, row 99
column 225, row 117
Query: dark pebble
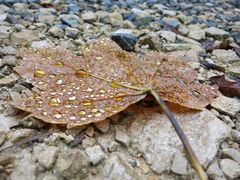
column 127, row 41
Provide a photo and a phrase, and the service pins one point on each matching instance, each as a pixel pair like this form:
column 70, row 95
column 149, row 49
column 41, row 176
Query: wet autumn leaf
column 77, row 90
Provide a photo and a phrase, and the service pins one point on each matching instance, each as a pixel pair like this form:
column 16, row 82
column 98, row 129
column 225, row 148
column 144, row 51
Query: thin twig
column 27, row 141
column 189, row 151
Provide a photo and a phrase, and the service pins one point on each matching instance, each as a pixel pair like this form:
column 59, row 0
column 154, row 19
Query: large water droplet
column 118, row 96
column 72, row 98
column 72, row 117
column 81, row 74
column 59, row 63
column 54, row 101
column 102, row 91
column 97, row 114
column 59, row 82
column 86, row 102
column 89, row 89
column 39, row 73
column 44, row 113
column 94, row 110
column 82, row 113
column 57, row 116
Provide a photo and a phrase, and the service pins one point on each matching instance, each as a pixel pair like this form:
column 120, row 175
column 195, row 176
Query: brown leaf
column 104, row 81
column 227, row 88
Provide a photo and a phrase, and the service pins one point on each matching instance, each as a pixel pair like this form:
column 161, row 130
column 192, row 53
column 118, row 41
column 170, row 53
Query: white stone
column 225, row 55
column 230, row 168
column 226, row 105
column 154, row 136
column 95, row 154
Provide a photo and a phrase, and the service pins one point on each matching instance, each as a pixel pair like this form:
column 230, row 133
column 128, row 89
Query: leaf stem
column 189, row 151
column 117, row 83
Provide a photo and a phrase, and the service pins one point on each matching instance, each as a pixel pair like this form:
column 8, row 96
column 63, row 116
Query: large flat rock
column 153, row 134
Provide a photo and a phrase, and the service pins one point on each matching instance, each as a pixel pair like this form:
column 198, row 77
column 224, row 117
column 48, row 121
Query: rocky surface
column 140, row 142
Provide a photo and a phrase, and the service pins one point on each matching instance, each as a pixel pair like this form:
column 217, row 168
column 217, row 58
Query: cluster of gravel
column 133, row 144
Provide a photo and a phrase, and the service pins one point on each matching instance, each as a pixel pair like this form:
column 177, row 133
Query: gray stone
column 6, row 158
column 236, row 135
column 142, row 17
column 3, row 16
column 46, row 2
column 231, row 153
column 197, row 34
column 107, row 143
column 22, row 38
column 171, row 21
column 228, row 121
column 57, row 138
column 2, row 137
column 226, row 105
column 103, row 126
column 214, row 172
column 179, row 165
column 152, row 39
column 67, row 44
column 9, row 80
column 167, row 47
column 122, row 138
column 216, row 33
column 154, row 136
column 183, row 30
column 20, row 6
column 230, row 168
column 234, row 70
column 225, row 55
column 187, row 40
column 88, row 141
column 71, row 32
column 49, row 176
column 70, row 19
column 48, row 156
column 41, row 44
column 25, row 168
column 3, row 8
column 9, row 60
column 19, row 27
column 89, row 17
column 8, row 50
column 46, row 19
column 32, row 122
column 168, row 35
column 20, row 134
column 169, row 13
column 5, row 32
column 56, row 32
column 115, row 19
column 117, row 168
column 6, row 122
column 72, row 164
column 95, row 154
column 186, row 56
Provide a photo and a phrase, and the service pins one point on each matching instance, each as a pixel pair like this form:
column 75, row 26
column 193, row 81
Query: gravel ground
column 135, row 144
